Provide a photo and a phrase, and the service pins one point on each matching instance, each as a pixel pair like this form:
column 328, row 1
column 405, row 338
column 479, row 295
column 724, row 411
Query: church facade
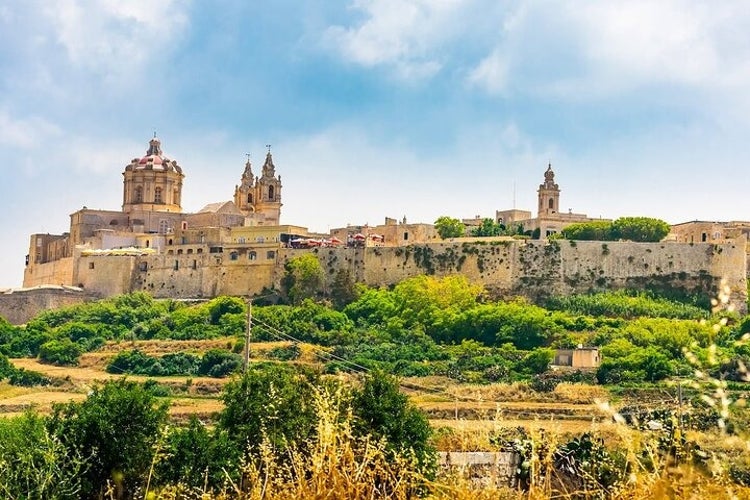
column 151, row 219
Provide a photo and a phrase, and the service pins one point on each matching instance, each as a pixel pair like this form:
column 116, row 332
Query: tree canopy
column 640, row 229
column 448, row 227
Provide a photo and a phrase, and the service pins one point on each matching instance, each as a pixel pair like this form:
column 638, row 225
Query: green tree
column 198, row 457
column 60, row 352
column 34, row 464
column 488, row 227
column 640, row 229
column 382, row 411
column 274, row 401
column 537, row 361
column 594, row 230
column 448, row 227
column 303, row 278
column 114, row 429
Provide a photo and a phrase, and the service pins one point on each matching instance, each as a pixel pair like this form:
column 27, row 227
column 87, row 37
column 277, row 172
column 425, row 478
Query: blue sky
column 375, row 108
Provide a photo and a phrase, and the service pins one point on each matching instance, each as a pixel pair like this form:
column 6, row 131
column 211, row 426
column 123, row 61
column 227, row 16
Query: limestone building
column 152, row 220
column 549, row 219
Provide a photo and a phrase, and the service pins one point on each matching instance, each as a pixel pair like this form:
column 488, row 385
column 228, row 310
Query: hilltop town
column 239, row 246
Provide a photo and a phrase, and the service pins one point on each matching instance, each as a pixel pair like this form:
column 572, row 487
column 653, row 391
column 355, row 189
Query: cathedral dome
column 154, row 160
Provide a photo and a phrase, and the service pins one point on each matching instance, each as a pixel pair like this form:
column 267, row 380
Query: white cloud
column 404, row 34
column 25, row 133
column 601, row 49
column 112, row 36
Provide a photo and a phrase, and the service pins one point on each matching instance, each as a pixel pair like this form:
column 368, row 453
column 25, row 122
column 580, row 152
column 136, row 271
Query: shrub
column 114, row 429
column 219, row 363
column 381, row 410
column 60, row 352
column 272, row 401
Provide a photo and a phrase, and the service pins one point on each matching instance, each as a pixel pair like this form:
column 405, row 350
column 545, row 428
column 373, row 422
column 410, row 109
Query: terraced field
column 464, row 408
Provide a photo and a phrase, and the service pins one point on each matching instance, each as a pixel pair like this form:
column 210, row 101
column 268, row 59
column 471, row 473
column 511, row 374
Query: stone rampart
column 19, row 306
column 535, row 269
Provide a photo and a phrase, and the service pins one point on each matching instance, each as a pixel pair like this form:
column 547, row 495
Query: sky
column 375, row 108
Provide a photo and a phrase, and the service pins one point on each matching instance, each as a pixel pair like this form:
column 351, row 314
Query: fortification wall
column 201, row 275
column 57, row 272
column 535, row 269
column 538, row 269
column 19, row 306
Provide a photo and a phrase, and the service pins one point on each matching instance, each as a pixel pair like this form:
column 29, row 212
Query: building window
column 176, row 265
column 234, row 256
column 241, row 239
column 704, row 237
column 200, row 250
column 195, row 264
column 163, row 226
column 148, row 244
column 406, row 236
column 260, row 239
column 717, row 235
column 157, row 195
column 216, row 250
column 179, row 252
column 249, row 197
column 551, row 203
column 169, row 242
column 270, row 254
column 138, row 194
column 91, row 265
column 170, row 252
column 252, row 255
column 143, row 266
column 190, row 250
column 270, row 193
column 184, row 225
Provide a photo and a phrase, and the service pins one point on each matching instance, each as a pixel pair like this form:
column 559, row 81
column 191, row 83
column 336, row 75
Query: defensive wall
column 538, row 269
column 535, row 269
column 19, row 306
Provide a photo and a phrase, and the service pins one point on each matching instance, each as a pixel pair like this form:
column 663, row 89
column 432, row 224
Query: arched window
column 233, row 256
column 157, row 195
column 249, row 197
column 252, row 255
column 551, row 203
column 270, row 192
column 139, row 194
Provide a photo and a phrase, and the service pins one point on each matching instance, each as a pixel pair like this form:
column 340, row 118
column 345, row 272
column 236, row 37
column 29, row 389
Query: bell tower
column 259, row 198
column 549, row 195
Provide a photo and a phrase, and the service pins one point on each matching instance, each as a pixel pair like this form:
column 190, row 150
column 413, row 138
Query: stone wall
column 57, row 272
column 538, row 269
column 19, row 306
column 535, row 269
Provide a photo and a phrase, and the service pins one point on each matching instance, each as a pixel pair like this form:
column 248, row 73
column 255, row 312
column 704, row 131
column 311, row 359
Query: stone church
column 152, row 218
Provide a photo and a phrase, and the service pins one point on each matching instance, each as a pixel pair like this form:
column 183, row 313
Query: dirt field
column 462, row 407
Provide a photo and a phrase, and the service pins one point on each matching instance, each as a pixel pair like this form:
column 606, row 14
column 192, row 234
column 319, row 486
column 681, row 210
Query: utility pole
column 248, row 332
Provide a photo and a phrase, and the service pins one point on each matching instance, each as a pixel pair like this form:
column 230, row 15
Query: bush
column 219, row 363
column 198, row 457
column 381, row 410
column 271, row 401
column 60, row 352
column 114, row 429
column 34, row 463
